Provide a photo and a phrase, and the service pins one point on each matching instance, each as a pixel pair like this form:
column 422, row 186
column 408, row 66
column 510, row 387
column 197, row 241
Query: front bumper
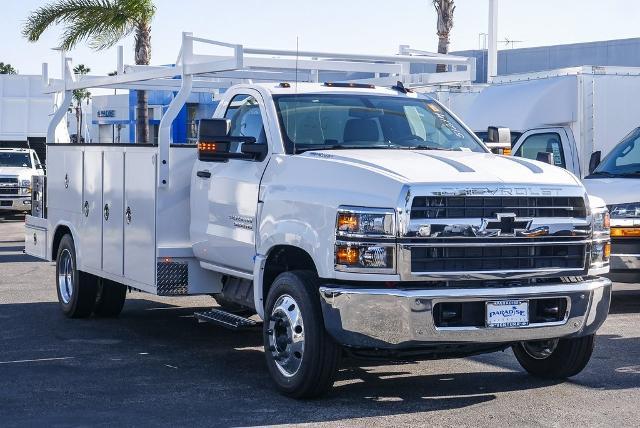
column 397, row 319
column 625, row 260
column 18, row 203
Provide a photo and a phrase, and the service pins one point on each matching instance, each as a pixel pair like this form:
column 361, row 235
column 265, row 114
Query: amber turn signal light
column 347, row 222
column 607, row 250
column 347, row 255
column 625, row 232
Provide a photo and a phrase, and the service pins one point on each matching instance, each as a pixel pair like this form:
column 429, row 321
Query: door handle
column 203, row 174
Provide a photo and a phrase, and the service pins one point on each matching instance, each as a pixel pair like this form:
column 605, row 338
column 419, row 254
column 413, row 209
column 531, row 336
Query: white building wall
column 24, row 108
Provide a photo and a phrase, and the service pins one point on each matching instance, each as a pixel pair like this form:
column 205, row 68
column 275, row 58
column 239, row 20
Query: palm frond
column 100, row 22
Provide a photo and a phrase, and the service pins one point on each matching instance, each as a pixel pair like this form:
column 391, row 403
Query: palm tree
column 80, row 96
column 101, row 23
column 7, row 69
column 444, row 9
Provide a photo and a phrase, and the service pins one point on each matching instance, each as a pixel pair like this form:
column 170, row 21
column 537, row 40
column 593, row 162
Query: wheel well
column 57, row 237
column 284, row 258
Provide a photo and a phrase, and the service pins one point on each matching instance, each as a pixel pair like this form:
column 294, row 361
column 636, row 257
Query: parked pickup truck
column 617, row 181
column 17, row 167
column 353, row 219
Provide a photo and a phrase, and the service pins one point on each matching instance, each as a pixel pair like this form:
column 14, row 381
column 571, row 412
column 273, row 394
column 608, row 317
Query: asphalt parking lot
column 156, row 366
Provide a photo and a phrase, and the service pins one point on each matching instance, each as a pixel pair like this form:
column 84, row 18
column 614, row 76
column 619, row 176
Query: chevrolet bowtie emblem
column 506, row 224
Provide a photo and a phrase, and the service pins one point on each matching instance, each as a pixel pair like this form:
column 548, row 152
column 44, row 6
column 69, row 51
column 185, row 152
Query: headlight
column 26, row 186
column 359, row 257
column 626, row 220
column 600, row 253
column 631, row 210
column 369, row 222
column 601, row 222
column 354, row 251
column 601, row 245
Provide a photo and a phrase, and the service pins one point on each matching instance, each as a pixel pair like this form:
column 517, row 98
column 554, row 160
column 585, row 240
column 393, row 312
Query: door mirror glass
column 594, row 161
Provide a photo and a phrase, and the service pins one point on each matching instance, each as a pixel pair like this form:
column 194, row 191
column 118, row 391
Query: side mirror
column 215, row 143
column 594, row 161
column 498, row 139
column 545, row 157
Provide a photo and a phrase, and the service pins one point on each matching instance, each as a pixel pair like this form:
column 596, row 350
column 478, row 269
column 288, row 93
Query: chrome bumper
column 396, row 319
column 18, row 203
column 625, row 261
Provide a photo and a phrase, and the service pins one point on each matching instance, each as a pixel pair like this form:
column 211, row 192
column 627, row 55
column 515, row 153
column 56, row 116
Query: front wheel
column 555, row 358
column 302, row 358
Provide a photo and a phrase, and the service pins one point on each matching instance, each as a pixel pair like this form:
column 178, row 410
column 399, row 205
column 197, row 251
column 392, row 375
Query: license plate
column 508, row 313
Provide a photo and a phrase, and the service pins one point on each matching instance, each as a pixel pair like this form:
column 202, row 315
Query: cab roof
column 290, row 88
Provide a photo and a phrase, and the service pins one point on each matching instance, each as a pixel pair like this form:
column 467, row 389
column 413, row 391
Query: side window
column 246, row 119
column 549, row 142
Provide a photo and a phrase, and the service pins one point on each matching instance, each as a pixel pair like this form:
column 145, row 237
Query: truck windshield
column 15, row 160
column 354, row 121
column 624, row 159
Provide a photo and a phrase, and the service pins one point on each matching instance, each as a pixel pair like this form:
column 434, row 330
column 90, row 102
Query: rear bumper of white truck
column 398, row 319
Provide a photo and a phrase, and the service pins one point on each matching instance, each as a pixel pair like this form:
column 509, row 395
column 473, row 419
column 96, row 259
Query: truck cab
column 17, row 167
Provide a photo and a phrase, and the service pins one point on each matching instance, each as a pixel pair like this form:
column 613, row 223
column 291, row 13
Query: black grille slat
column 9, row 191
column 435, row 207
column 491, row 258
column 10, row 180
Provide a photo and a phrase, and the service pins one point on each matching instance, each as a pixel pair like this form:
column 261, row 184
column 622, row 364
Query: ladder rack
column 196, row 72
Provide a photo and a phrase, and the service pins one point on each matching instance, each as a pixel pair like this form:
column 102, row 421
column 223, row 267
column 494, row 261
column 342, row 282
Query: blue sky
column 333, row 25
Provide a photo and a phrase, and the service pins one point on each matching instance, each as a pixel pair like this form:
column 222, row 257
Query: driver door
column 226, row 193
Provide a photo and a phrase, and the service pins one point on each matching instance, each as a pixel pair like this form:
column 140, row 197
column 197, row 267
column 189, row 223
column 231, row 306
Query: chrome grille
column 440, row 207
column 9, row 190
column 524, row 257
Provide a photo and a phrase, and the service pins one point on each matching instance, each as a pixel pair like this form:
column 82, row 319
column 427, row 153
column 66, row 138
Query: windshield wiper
column 347, row 147
column 601, row 173
column 424, row 147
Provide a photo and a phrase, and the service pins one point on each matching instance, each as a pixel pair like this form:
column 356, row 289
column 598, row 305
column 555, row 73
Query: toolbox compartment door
column 113, row 212
column 140, row 216
column 92, row 211
column 35, row 241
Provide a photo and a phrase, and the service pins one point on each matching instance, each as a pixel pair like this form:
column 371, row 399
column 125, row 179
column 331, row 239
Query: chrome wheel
column 286, row 335
column 540, row 349
column 65, row 276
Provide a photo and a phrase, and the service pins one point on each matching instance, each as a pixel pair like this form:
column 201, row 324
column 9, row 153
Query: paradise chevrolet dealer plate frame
column 507, row 313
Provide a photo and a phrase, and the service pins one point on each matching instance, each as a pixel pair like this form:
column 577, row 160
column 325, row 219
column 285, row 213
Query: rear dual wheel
column 81, row 294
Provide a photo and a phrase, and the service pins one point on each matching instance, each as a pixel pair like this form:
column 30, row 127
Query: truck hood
column 614, row 190
column 450, row 167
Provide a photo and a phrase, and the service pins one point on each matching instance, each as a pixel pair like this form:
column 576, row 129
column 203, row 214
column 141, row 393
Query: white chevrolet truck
column 17, row 167
column 353, row 219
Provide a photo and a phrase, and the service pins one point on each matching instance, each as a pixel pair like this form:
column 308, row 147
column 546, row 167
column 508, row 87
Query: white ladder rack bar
column 209, row 73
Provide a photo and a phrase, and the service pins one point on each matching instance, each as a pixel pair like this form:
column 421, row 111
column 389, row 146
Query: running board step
column 226, row 319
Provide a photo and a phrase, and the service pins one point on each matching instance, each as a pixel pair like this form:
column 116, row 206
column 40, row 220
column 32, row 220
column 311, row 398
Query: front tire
column 76, row 290
column 555, row 359
column 301, row 357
